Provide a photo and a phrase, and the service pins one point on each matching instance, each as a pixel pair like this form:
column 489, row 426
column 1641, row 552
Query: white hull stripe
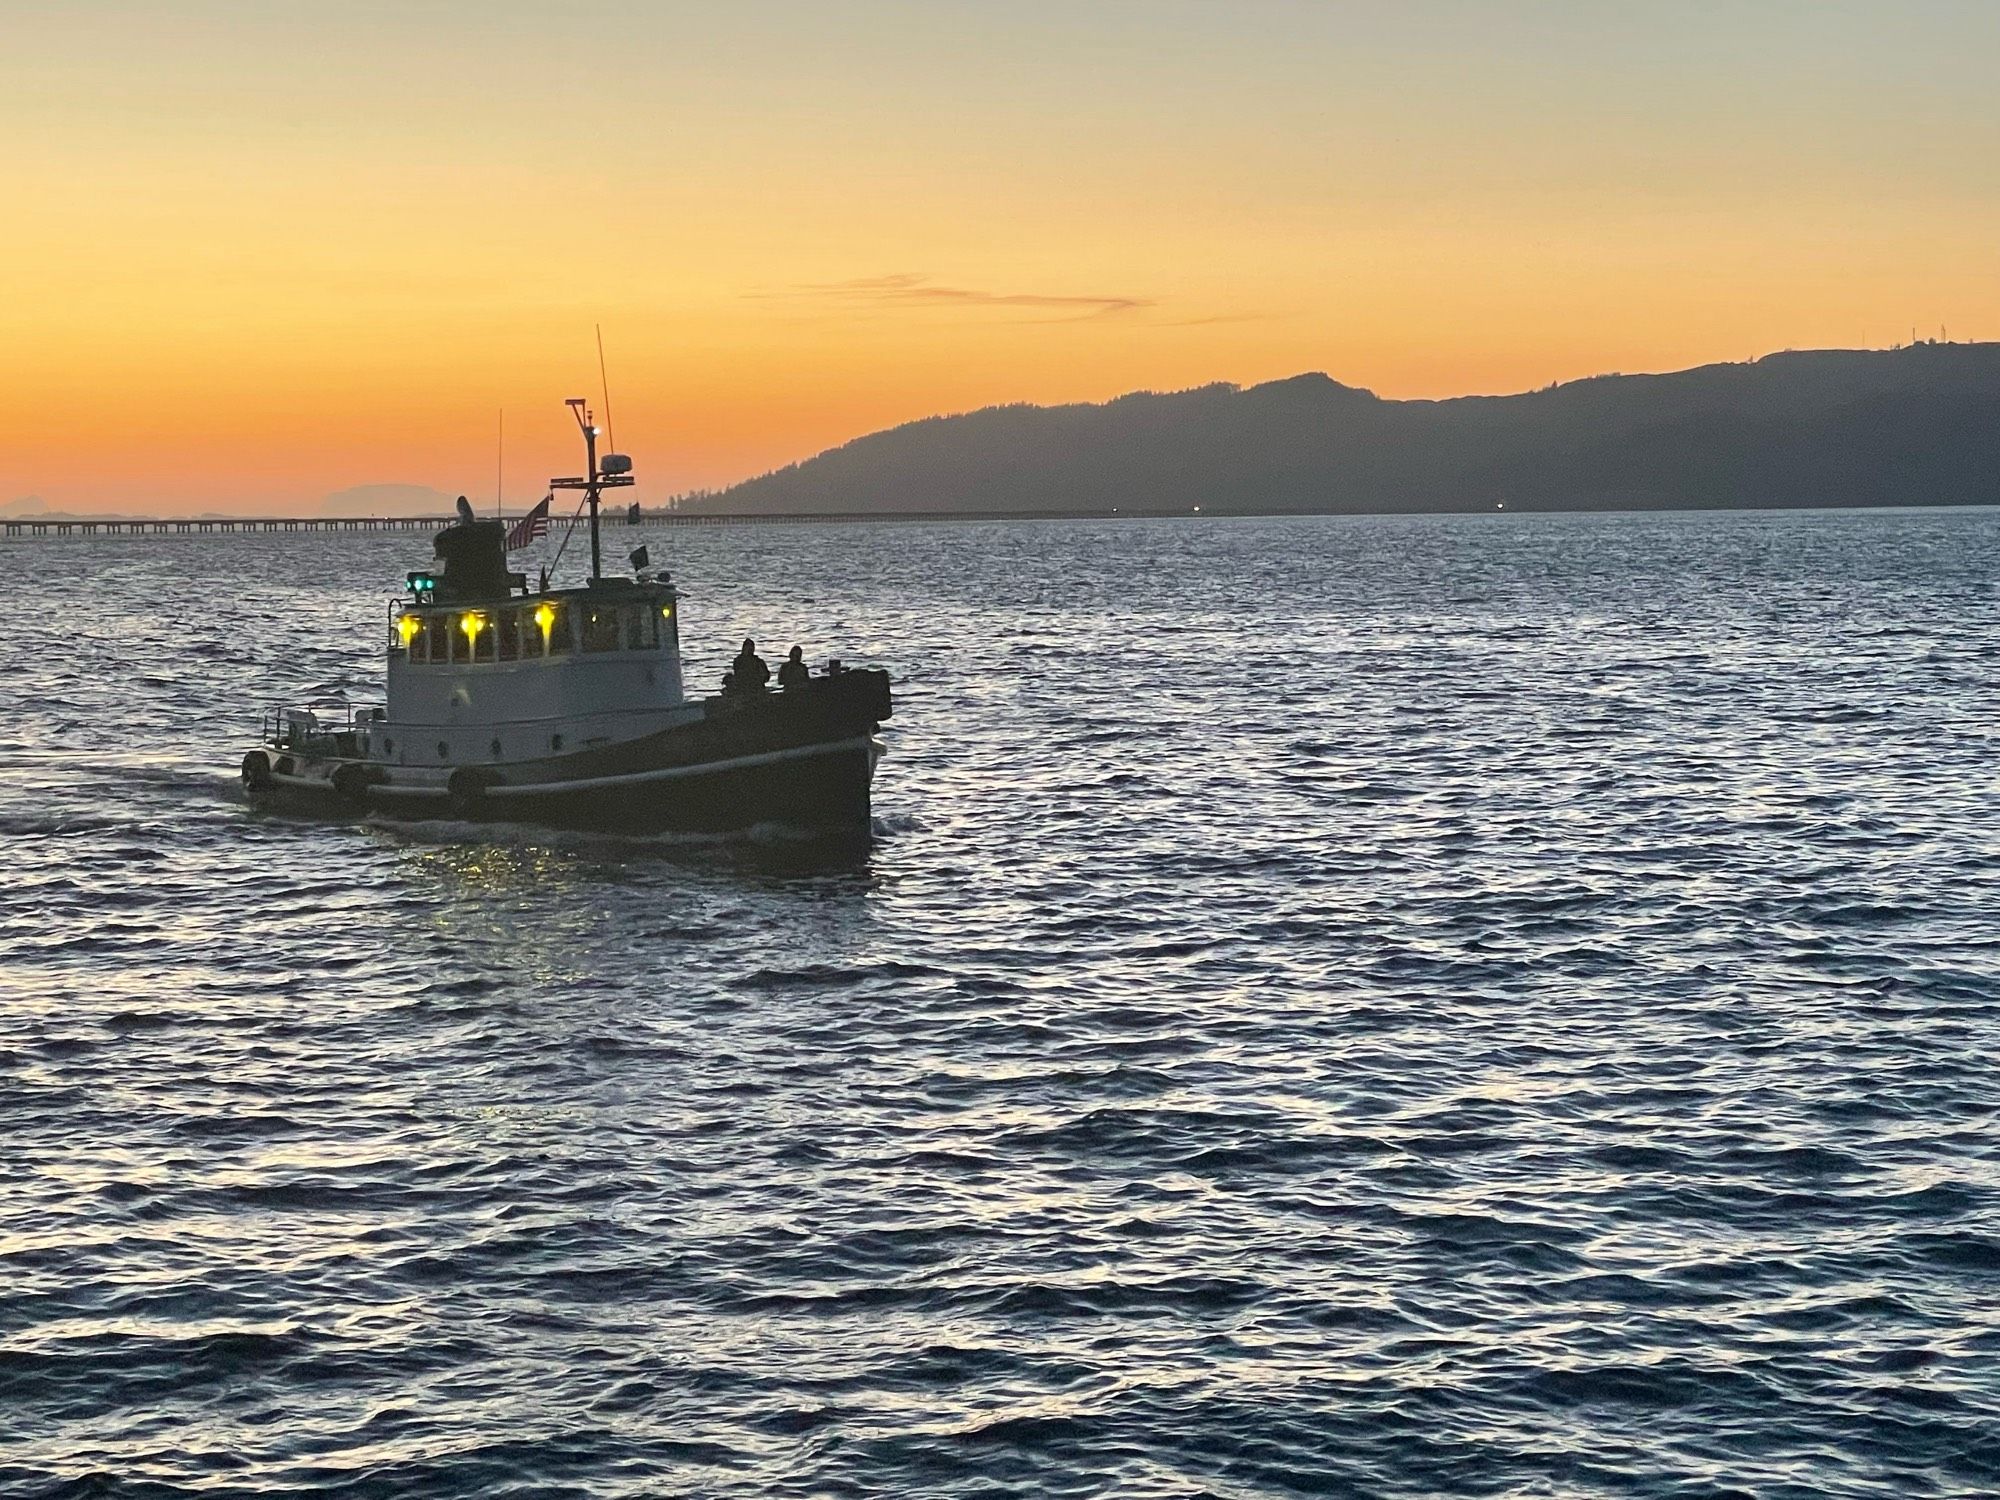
column 670, row 773
column 309, row 783
column 627, row 779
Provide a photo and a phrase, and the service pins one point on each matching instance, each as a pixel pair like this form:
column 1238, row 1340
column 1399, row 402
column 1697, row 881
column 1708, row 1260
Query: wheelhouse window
column 507, row 634
column 552, row 628
column 436, row 639
column 476, row 639
column 642, row 632
column 600, row 629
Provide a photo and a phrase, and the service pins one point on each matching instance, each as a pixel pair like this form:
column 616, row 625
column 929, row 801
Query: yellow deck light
column 407, row 627
column 472, row 624
column 545, row 617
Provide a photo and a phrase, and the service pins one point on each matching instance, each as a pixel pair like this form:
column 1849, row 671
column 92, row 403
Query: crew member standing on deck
column 793, row 671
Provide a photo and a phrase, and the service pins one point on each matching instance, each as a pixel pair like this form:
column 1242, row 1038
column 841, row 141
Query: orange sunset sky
column 254, row 254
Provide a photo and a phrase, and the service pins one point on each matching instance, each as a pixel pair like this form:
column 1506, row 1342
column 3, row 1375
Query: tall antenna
column 500, row 462
column 604, row 384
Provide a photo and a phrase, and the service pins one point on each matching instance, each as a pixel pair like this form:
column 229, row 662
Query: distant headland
column 1919, row 425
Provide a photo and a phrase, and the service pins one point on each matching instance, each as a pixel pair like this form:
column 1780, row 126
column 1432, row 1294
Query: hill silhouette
column 1918, row 425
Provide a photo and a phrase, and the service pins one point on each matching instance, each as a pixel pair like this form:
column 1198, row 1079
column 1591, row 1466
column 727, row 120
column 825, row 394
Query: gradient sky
column 256, row 253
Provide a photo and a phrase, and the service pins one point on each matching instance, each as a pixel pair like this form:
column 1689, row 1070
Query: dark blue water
column 1467, row 1006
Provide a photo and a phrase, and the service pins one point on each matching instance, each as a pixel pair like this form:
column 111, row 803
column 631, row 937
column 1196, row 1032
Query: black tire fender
column 350, row 783
column 878, row 696
column 256, row 770
column 467, row 790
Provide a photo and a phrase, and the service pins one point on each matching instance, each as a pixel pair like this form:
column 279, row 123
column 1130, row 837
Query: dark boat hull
column 826, row 791
column 801, row 760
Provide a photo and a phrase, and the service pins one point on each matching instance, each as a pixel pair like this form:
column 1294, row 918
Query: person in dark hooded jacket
column 748, row 674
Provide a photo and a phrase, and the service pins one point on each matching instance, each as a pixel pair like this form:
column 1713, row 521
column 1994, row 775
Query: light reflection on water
column 1389, row 1006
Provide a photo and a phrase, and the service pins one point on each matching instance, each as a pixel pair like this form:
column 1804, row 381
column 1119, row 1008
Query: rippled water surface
column 1495, row 1005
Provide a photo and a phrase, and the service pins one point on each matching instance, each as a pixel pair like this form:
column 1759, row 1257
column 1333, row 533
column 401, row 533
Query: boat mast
column 583, row 420
column 617, row 471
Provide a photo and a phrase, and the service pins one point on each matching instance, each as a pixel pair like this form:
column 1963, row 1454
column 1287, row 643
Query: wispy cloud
column 914, row 290
column 1242, row 317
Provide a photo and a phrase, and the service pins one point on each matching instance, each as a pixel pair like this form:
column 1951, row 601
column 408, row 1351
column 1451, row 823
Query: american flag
column 535, row 523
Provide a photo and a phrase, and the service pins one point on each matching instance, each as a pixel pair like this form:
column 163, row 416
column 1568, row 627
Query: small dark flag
column 534, row 524
column 640, row 557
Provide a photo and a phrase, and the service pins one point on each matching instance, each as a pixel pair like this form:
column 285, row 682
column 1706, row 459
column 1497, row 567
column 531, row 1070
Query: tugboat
column 566, row 706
